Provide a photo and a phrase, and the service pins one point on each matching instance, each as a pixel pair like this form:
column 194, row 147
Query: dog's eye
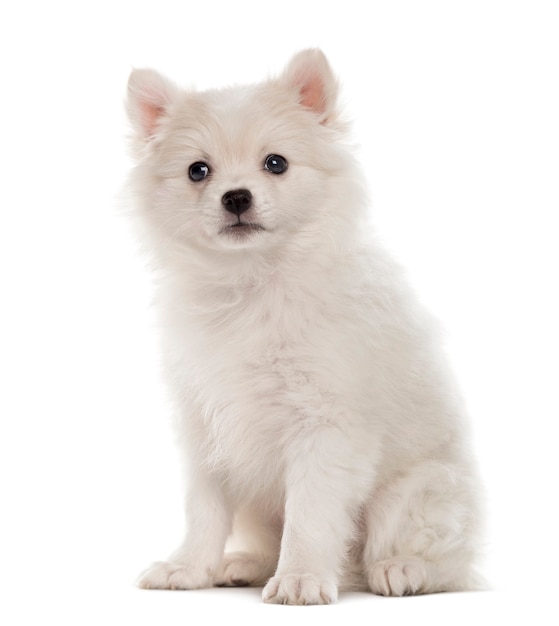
column 198, row 171
column 275, row 164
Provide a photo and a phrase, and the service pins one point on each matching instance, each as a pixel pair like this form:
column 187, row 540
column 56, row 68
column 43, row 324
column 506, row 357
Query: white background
column 457, row 114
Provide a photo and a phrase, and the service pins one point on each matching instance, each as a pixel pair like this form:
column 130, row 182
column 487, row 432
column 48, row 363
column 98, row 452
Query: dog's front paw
column 165, row 575
column 299, row 589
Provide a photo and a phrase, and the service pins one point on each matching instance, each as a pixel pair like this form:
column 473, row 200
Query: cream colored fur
column 321, row 432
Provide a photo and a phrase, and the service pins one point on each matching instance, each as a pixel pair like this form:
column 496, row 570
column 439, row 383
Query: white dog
column 321, row 432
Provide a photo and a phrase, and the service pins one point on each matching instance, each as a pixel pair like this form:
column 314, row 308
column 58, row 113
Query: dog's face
column 240, row 167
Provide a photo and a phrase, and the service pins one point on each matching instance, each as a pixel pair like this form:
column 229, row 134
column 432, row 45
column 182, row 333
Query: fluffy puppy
column 321, row 433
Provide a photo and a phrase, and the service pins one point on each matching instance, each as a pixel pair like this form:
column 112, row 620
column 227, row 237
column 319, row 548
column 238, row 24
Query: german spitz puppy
column 324, row 442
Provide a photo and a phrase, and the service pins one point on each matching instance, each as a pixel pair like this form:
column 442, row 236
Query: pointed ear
column 149, row 95
column 310, row 74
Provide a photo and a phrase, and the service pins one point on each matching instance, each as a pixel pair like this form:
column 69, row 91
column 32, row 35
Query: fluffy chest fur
column 289, row 349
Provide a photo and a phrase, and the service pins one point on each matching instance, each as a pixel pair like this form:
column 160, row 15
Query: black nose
column 237, row 201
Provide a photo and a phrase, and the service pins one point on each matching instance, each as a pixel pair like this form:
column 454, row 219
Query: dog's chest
column 258, row 373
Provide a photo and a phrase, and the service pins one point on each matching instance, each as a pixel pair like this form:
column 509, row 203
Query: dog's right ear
column 149, row 97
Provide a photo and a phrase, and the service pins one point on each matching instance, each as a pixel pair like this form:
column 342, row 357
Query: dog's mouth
column 241, row 228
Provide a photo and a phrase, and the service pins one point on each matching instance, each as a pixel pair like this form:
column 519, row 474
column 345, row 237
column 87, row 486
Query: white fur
column 319, row 427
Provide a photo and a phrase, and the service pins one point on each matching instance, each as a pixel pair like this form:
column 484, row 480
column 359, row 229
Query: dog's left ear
column 310, row 74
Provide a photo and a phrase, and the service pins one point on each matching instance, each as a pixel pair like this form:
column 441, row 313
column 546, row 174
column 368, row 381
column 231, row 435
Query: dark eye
column 275, row 164
column 198, row 171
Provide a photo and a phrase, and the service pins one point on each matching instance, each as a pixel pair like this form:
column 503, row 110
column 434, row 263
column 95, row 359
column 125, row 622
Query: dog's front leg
column 195, row 563
column 324, row 484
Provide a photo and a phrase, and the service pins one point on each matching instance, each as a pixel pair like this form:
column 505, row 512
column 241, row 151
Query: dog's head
column 241, row 167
